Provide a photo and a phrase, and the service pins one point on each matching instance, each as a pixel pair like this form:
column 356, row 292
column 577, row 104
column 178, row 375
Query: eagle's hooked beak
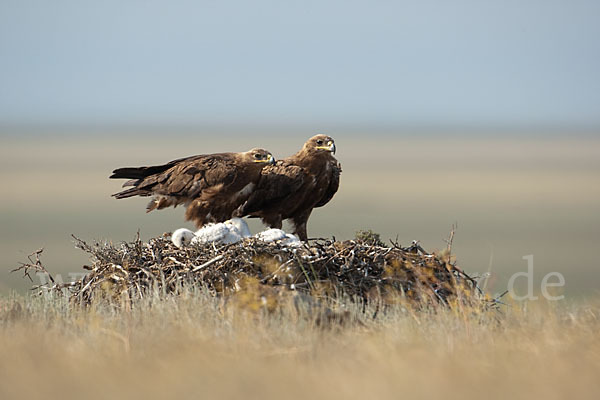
column 330, row 147
column 269, row 160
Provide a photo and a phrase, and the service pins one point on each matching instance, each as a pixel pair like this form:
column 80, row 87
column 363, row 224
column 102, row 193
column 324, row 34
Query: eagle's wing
column 180, row 179
column 334, row 184
column 276, row 183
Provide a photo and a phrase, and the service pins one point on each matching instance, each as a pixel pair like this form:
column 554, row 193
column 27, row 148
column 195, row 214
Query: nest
column 364, row 269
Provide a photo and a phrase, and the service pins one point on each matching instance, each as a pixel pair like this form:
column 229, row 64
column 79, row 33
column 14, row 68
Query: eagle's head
column 259, row 156
column 320, row 144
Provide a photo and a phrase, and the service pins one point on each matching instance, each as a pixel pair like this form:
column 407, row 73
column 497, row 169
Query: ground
column 195, row 345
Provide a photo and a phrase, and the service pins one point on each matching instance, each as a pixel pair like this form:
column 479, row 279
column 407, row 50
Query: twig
column 451, row 239
column 35, row 265
column 208, row 263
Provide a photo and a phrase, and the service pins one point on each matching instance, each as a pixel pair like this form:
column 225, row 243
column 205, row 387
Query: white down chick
column 278, row 235
column 182, row 237
column 230, row 231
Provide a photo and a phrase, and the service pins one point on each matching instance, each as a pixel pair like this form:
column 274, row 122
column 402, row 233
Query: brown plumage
column 212, row 186
column 292, row 187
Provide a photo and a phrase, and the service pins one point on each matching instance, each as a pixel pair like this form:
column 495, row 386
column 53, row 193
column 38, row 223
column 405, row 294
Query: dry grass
column 195, row 345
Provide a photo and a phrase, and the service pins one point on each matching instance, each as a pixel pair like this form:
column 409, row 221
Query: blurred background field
column 510, row 196
column 483, row 114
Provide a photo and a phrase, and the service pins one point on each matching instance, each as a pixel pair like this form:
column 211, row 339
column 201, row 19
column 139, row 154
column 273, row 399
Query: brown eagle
column 212, row 186
column 292, row 187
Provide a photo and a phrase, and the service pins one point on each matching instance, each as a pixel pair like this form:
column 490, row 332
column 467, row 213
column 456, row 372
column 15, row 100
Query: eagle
column 211, row 186
column 294, row 186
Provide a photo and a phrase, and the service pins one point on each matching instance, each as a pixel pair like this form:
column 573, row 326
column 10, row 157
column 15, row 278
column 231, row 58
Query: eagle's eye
column 320, row 142
column 257, row 156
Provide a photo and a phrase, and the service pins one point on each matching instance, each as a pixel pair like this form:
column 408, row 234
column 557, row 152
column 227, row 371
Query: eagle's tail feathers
column 128, row 173
column 132, row 182
column 139, row 172
column 131, row 192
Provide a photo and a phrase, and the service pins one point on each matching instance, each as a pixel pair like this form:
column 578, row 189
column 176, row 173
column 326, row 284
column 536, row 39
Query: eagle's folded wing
column 334, row 184
column 276, row 184
column 177, row 181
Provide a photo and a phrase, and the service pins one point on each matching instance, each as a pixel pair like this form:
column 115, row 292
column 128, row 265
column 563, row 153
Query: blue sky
column 321, row 63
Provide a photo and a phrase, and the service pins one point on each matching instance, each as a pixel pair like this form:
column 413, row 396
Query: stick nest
column 364, row 269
